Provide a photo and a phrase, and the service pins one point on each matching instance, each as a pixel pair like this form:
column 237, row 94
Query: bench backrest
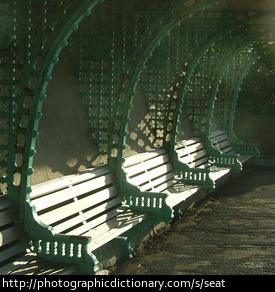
column 220, row 141
column 13, row 242
column 192, row 152
column 150, row 171
column 77, row 203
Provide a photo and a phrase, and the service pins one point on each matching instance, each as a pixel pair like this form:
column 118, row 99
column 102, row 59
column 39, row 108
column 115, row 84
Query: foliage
column 258, row 89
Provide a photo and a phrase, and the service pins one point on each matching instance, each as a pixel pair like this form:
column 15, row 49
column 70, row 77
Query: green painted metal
column 239, row 146
column 104, row 74
column 45, row 243
column 202, row 114
column 241, row 60
column 155, row 82
column 194, row 60
column 163, row 57
column 43, row 78
column 182, row 11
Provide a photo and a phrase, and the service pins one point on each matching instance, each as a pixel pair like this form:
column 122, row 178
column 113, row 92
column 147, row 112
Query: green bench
column 152, row 184
column 16, row 257
column 193, row 153
column 155, row 183
column 70, row 217
column 220, row 141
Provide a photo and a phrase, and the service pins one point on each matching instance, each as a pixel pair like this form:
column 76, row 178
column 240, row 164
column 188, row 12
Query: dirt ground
column 231, row 233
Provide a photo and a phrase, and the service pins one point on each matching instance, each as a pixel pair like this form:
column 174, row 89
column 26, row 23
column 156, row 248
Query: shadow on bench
column 220, row 141
column 154, row 182
column 71, row 217
column 151, row 184
column 192, row 152
column 15, row 255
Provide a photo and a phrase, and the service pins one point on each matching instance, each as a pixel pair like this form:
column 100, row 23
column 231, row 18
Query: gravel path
column 232, row 232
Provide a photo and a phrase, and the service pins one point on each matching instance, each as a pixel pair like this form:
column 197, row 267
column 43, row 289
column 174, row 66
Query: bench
column 192, row 152
column 69, row 218
column 151, row 184
column 220, row 141
column 16, row 257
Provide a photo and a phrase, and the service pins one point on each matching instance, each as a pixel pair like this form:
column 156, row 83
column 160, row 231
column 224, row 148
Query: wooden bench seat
column 192, row 152
column 153, row 185
column 16, row 257
column 220, row 141
column 83, row 212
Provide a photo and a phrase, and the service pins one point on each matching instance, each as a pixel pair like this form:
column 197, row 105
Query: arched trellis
column 194, row 61
column 160, row 74
column 40, row 54
column 24, row 107
column 139, row 66
column 209, row 100
column 104, row 74
column 209, row 62
column 183, row 88
column 229, row 109
column 244, row 76
column 250, row 59
column 55, row 36
column 39, row 64
column 109, row 105
column 228, row 116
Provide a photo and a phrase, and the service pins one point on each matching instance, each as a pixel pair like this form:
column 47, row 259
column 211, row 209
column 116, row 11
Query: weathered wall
column 65, row 144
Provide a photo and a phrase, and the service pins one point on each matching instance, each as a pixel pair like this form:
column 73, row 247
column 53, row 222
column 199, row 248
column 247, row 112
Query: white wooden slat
column 61, row 270
column 65, row 181
column 215, row 175
column 10, row 234
column 201, row 154
column 118, row 228
column 226, row 150
column 216, row 133
column 229, row 150
column 71, row 192
column 160, row 184
column 136, row 158
column 34, row 267
column 77, row 206
column 52, row 270
column 181, row 194
column 5, row 203
column 83, row 217
column 187, row 142
column 201, row 163
column 123, row 214
column 90, row 225
column 165, row 185
column 146, row 165
column 222, row 144
column 190, row 149
column 221, row 137
column 29, row 264
column 189, row 152
column 150, row 175
column 7, row 217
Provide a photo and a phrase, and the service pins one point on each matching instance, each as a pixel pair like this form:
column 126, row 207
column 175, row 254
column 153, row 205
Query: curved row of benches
column 69, row 220
column 71, row 217
column 75, row 215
